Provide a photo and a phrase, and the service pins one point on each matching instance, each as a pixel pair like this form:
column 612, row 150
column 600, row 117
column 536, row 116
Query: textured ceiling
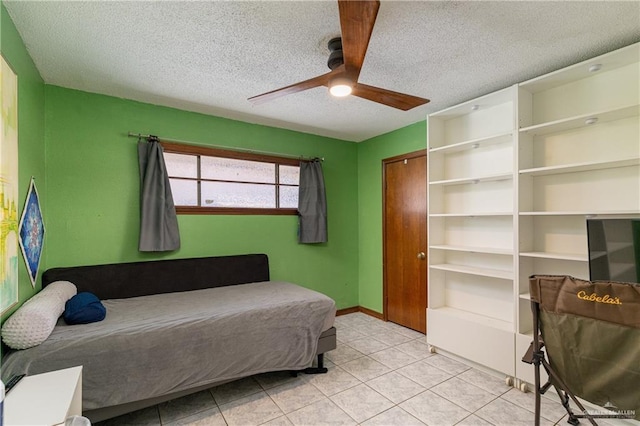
column 211, row 56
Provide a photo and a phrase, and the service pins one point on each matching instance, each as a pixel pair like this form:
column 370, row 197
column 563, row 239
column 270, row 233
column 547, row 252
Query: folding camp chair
column 590, row 333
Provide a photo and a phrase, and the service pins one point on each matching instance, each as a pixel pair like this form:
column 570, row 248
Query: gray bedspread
column 154, row 345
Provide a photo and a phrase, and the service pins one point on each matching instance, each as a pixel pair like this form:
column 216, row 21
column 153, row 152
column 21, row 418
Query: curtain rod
column 252, row 151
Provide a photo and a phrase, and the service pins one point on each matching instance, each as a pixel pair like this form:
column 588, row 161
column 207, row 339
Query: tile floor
column 380, row 374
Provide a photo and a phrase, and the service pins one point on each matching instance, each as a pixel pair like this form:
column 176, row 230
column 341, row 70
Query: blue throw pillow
column 84, row 308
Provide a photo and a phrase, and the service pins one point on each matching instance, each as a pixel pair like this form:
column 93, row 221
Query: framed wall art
column 32, row 232
column 8, row 187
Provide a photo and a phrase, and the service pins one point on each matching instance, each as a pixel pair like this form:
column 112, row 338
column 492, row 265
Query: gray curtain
column 158, row 221
column 312, row 203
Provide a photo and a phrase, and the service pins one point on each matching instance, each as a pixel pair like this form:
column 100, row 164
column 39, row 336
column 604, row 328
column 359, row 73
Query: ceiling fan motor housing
column 335, row 57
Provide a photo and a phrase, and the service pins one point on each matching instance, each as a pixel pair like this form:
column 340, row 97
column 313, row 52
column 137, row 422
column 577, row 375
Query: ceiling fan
column 345, row 61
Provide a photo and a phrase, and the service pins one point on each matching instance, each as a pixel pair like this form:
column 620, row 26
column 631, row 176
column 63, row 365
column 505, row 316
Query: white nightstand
column 45, row 399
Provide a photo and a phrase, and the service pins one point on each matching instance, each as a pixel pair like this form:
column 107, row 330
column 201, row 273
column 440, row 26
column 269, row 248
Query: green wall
column 31, row 145
column 93, row 190
column 370, row 155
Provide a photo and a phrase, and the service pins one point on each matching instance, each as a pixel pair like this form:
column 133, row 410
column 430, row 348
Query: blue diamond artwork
column 32, row 232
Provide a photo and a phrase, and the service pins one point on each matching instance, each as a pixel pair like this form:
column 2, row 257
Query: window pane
column 181, row 165
column 223, row 194
column 290, row 174
column 185, row 192
column 289, row 197
column 240, row 170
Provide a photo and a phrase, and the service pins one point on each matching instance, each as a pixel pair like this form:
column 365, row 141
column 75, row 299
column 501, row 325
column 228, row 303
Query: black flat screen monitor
column 614, row 249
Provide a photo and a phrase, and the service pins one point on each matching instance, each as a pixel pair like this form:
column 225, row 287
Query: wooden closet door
column 405, row 240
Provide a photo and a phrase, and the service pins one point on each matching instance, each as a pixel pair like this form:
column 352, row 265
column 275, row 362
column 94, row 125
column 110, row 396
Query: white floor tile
column 278, row 421
column 434, row 410
column 503, row 413
column 392, row 417
column 323, row 412
column 463, row 394
column 294, row 395
column 361, row 403
column 251, row 410
column 347, row 334
column 473, row 420
column 447, row 364
column 235, row 390
column 334, row 381
column 416, row 348
column 342, row 354
column 424, row 374
column 367, row 345
column 406, row 331
column 395, row 387
column 492, row 384
column 393, row 358
column 365, row 368
column 550, row 410
column 350, row 320
column 392, row 338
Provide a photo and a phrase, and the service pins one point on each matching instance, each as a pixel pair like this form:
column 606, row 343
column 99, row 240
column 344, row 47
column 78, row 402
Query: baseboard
column 355, row 309
column 346, row 311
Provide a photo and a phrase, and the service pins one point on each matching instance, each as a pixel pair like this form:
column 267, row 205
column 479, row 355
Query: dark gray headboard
column 123, row 280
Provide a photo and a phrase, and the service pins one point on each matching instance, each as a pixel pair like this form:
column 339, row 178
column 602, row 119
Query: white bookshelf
column 483, row 320
column 578, row 257
column 473, row 214
column 579, row 121
column 470, row 249
column 500, row 138
column 513, row 176
column 474, row 270
column 471, row 221
column 473, row 197
column 578, row 157
column 473, row 179
column 583, row 213
column 580, row 167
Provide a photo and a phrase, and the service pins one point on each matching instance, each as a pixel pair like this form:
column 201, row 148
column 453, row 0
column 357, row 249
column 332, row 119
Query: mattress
column 156, row 345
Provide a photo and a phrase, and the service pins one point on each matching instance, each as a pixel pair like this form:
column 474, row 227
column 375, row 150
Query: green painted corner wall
column 370, row 155
column 93, row 190
column 31, row 145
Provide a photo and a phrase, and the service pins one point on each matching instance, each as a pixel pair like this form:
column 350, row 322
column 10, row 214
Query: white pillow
column 34, row 321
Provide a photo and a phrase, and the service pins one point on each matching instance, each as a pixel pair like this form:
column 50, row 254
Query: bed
column 174, row 327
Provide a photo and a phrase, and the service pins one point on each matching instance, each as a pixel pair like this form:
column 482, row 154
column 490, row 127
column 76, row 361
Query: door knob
column 422, row 256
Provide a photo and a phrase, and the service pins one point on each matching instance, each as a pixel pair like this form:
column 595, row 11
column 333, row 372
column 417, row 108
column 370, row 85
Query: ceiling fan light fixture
column 340, row 87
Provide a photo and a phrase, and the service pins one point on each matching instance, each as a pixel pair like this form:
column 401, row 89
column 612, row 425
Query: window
column 210, row 180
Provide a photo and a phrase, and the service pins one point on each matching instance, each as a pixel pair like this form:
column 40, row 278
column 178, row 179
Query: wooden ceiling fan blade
column 388, row 97
column 356, row 23
column 321, row 80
